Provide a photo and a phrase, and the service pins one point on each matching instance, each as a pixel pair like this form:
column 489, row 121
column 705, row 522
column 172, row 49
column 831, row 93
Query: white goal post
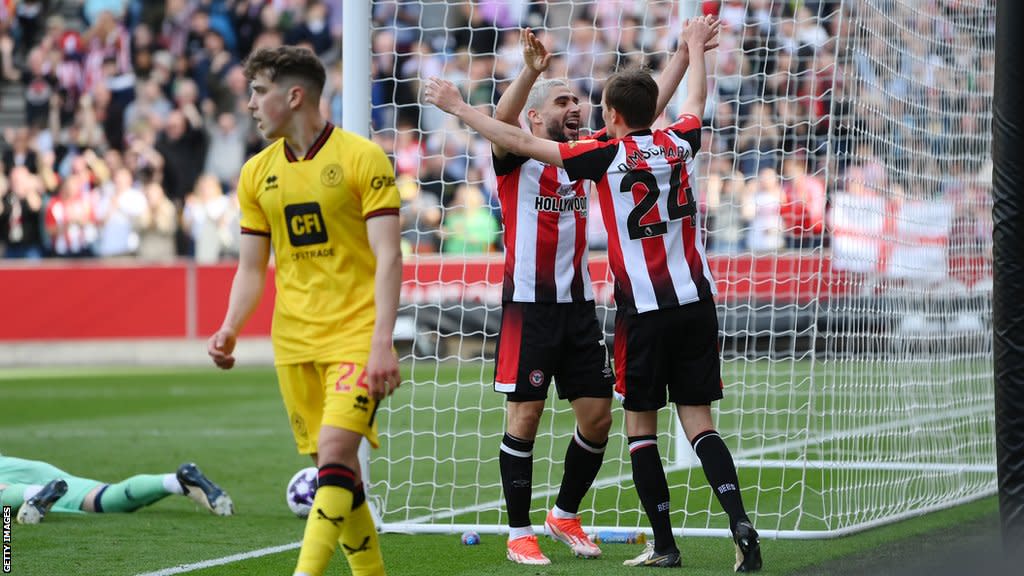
column 845, row 189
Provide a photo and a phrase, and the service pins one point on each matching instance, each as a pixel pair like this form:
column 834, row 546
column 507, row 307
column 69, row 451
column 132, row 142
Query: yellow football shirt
column 315, row 209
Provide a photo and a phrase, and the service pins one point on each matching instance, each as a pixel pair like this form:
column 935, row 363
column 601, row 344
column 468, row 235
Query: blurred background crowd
column 124, row 122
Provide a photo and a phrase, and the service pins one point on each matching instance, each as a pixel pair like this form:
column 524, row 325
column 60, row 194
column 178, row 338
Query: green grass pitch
column 110, row 424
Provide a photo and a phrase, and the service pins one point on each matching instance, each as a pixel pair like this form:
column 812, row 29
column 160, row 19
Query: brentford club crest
column 536, row 377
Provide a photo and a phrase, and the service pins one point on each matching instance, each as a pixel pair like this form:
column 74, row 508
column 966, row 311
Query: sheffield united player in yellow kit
column 325, row 201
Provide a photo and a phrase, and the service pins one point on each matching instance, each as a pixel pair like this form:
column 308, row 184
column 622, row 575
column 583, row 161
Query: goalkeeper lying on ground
column 34, row 488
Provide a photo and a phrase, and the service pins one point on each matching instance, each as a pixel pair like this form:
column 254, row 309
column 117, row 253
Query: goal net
column 845, row 193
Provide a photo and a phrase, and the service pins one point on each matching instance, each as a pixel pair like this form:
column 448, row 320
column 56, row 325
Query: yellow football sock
column 360, row 543
column 331, row 509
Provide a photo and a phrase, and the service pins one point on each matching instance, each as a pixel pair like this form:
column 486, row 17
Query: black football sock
column 583, row 460
column 721, row 474
column 516, row 463
column 652, row 487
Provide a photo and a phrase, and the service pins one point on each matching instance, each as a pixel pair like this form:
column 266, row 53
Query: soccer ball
column 301, row 490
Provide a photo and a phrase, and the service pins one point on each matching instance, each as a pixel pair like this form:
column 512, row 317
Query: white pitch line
column 183, row 568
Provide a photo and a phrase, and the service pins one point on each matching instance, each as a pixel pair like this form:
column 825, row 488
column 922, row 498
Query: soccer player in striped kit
column 666, row 328
column 549, row 324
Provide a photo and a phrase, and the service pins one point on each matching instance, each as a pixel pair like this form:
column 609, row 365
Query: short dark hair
column 634, row 95
column 291, row 62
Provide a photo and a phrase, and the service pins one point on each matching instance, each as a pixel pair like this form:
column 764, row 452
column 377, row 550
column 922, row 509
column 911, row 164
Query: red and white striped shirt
column 545, row 218
column 655, row 248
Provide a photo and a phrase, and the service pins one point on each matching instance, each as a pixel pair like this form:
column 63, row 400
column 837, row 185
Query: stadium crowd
column 135, row 125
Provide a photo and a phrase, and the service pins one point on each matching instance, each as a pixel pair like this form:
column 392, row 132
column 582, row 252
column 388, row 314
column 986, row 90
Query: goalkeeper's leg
column 133, row 493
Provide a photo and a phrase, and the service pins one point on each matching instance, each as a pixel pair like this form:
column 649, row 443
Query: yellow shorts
column 332, row 394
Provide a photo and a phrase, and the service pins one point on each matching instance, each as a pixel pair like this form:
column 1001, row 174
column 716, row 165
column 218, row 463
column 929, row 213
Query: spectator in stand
column 803, row 205
column 149, row 108
column 421, row 63
column 142, row 158
column 30, row 14
column 21, row 152
column 723, row 125
column 207, row 216
column 21, row 206
column 796, row 134
column 211, row 68
column 183, row 145
column 48, row 178
column 67, row 63
column 93, row 10
column 476, row 25
column 727, row 226
column 409, row 150
column 382, row 67
column 70, row 220
column 401, row 18
column 235, row 91
column 40, row 85
column 332, row 100
column 8, row 70
column 109, row 58
column 194, row 49
column 313, row 30
column 84, row 132
column 143, row 48
column 245, row 19
column 419, row 216
column 431, row 175
column 481, row 87
column 469, row 227
column 108, row 108
column 120, row 209
column 228, row 136
column 759, row 142
column 734, row 82
column 585, row 56
column 762, row 211
column 157, row 225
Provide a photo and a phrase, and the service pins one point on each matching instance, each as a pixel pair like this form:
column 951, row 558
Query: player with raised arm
column 666, row 327
column 549, row 323
column 325, row 200
column 549, row 326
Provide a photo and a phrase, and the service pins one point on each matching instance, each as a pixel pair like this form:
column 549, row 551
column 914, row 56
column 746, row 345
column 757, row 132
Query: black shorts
column 674, row 348
column 538, row 341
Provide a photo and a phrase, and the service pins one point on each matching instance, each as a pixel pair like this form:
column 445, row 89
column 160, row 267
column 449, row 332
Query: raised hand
column 443, row 94
column 535, row 54
column 706, row 27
